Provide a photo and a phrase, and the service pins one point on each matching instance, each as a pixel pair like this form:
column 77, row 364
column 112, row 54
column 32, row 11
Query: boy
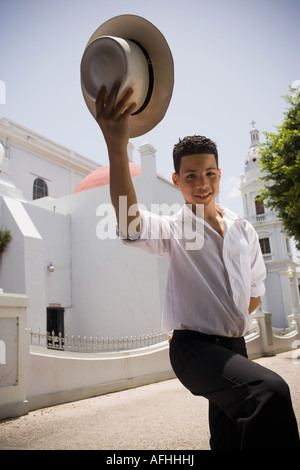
column 211, row 289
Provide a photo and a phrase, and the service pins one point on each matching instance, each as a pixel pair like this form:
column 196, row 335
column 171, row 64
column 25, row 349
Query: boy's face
column 198, row 179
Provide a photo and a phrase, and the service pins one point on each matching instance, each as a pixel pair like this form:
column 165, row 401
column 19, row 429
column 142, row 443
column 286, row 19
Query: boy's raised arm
column 113, row 117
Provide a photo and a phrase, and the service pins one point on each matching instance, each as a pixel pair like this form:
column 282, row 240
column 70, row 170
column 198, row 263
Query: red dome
column 100, row 177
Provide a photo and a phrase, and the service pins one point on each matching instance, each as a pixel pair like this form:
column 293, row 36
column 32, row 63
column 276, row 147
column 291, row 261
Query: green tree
column 280, row 162
column 5, row 238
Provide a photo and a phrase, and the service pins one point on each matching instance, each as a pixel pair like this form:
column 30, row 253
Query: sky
column 233, row 59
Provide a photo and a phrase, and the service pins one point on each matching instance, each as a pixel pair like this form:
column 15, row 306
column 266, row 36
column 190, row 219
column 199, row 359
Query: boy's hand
column 113, row 117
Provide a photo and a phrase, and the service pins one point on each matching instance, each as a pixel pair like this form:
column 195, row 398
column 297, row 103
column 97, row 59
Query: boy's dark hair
column 191, row 145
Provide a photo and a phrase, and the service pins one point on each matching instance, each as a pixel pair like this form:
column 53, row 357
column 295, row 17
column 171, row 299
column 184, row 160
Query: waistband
column 227, row 341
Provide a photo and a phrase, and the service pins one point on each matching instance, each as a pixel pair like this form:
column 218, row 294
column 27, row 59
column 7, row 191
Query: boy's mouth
column 202, row 196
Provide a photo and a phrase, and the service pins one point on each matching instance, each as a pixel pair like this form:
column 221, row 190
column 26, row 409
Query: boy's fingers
column 123, row 102
column 129, row 110
column 100, row 100
column 111, row 99
column 106, row 102
column 106, row 105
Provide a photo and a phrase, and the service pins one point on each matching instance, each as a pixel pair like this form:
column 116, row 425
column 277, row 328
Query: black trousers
column 249, row 406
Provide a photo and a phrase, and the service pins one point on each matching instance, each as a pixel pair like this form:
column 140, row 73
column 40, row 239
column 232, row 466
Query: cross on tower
column 252, row 123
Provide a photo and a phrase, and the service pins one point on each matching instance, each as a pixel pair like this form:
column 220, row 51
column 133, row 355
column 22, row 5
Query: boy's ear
column 219, row 171
column 175, row 180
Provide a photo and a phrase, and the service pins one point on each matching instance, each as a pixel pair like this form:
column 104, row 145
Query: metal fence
column 94, row 344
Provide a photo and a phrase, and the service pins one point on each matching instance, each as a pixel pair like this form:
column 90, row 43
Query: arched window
column 259, row 206
column 40, row 188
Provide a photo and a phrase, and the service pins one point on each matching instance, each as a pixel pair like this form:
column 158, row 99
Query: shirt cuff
column 124, row 237
column 258, row 291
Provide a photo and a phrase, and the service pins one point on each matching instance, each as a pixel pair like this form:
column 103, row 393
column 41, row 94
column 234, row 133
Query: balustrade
column 94, row 344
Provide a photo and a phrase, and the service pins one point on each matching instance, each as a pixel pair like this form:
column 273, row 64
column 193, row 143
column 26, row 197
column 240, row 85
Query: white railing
column 262, row 218
column 253, row 330
column 94, row 344
column 285, row 332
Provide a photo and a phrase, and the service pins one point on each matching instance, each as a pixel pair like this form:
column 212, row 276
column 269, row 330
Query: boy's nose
column 201, row 183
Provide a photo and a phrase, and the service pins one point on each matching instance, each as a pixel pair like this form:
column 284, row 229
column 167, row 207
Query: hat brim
column 136, row 28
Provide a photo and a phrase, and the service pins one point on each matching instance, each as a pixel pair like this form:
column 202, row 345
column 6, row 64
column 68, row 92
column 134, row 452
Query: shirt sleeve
column 258, row 268
column 154, row 236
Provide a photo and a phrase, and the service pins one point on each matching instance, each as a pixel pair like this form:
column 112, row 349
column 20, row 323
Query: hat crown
column 110, row 59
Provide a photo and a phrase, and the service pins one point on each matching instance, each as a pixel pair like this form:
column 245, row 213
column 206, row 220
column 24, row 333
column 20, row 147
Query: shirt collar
column 229, row 217
column 187, row 211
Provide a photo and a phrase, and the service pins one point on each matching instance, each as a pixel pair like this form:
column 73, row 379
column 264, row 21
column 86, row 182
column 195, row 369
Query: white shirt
column 210, row 282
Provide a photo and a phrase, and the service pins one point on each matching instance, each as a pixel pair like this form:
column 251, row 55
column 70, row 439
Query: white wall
column 22, row 261
column 14, row 355
column 57, row 377
column 39, row 236
column 54, row 229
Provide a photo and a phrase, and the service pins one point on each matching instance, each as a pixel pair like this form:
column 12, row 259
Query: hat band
column 151, row 79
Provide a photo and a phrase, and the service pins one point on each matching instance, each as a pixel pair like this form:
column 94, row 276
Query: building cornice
column 18, row 136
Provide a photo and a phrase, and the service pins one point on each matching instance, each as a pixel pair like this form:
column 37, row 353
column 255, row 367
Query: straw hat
column 132, row 50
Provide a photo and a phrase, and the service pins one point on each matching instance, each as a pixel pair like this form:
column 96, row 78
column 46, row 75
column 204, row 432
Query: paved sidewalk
column 153, row 417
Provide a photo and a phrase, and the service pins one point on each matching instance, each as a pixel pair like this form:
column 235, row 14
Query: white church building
column 65, row 272
column 282, row 293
